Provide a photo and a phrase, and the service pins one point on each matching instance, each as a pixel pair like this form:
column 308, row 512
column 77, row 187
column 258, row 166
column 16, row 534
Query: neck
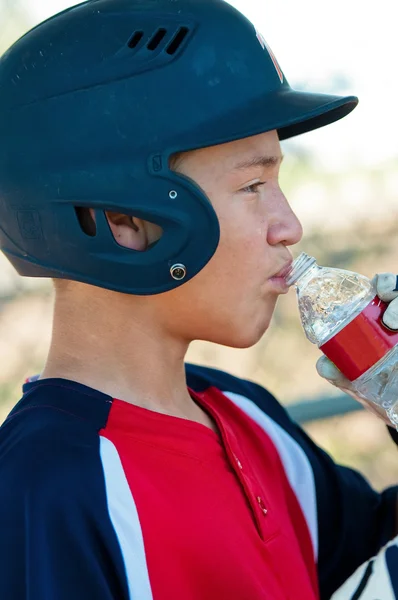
column 134, row 360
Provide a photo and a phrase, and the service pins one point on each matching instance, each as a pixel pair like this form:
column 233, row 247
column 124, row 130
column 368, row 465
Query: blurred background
column 342, row 181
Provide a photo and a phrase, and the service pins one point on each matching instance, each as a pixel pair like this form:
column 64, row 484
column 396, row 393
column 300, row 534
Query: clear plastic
column 328, row 300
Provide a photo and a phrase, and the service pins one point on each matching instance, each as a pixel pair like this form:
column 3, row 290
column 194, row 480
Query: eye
column 253, row 189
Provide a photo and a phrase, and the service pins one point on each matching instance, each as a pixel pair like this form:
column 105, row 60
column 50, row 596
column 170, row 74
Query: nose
column 284, row 226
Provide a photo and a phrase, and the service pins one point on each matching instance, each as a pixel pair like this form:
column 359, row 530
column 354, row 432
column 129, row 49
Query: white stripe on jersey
column 371, row 581
column 297, row 466
column 124, row 517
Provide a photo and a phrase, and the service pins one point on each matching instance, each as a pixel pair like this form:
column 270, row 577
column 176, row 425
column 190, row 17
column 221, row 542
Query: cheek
column 228, row 299
column 236, row 274
column 243, row 244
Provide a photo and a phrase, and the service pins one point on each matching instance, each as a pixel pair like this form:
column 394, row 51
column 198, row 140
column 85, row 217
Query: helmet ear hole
column 86, row 221
column 133, row 233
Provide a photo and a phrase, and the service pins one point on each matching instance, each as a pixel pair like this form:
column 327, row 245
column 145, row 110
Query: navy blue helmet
column 94, row 102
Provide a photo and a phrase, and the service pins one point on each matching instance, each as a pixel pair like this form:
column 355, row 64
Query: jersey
column 102, row 499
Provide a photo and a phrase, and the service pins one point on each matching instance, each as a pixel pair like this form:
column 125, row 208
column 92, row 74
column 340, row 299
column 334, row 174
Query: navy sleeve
column 354, row 521
column 394, row 434
column 56, row 540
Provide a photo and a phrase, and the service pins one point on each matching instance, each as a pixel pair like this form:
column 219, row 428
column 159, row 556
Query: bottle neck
column 307, row 276
column 302, row 268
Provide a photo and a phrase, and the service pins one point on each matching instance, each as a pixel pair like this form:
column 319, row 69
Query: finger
column 329, row 371
column 387, row 286
column 390, row 317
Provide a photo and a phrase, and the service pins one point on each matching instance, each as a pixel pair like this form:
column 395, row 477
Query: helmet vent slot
column 156, row 39
column 135, row 39
column 177, row 40
column 86, row 221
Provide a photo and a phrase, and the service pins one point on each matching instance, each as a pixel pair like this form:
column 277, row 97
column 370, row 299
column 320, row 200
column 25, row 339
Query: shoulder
column 56, row 529
column 47, row 450
column 51, row 473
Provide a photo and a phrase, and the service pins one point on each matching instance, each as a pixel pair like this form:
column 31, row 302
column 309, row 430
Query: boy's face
column 232, row 299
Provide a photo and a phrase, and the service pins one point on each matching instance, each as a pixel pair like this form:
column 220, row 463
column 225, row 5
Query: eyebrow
column 258, row 161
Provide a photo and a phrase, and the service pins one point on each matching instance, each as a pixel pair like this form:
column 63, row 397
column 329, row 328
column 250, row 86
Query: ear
column 131, row 232
column 128, row 232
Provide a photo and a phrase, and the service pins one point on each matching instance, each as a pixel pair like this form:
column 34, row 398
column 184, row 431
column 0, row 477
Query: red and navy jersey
column 104, row 500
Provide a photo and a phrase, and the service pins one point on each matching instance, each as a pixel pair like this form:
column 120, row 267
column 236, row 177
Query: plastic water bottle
column 341, row 314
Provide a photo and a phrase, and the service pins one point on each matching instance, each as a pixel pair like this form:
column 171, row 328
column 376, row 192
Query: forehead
column 234, row 156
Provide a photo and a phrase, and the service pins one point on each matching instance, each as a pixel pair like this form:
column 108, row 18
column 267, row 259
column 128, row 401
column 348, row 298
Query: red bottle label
column 362, row 343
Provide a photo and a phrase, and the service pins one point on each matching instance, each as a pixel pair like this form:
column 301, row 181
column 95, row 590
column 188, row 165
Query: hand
column 386, row 288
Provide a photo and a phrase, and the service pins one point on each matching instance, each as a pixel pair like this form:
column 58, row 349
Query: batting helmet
column 95, row 101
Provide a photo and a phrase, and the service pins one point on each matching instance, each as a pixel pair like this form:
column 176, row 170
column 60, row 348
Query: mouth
column 281, row 274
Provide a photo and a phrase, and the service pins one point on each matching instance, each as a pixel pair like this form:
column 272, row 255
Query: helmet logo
column 265, row 46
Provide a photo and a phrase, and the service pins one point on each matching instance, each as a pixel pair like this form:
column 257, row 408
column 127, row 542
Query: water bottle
column 341, row 314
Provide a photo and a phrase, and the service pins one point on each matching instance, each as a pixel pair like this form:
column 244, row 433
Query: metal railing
column 322, row 408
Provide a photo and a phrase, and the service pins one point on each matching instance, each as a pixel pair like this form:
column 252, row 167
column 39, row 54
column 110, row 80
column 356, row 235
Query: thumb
column 386, row 286
column 390, row 317
column 329, row 371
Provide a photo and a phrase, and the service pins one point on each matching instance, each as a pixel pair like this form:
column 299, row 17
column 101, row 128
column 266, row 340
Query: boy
column 141, row 174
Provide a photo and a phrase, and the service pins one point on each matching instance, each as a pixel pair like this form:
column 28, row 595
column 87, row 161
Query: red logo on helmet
column 265, row 46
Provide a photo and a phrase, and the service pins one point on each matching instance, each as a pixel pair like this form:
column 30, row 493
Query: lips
column 284, row 271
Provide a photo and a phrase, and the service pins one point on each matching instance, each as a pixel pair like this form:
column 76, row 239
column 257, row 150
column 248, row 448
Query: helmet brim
column 307, row 111
column 288, row 111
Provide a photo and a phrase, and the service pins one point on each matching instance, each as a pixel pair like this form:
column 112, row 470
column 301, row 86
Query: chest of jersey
column 209, row 517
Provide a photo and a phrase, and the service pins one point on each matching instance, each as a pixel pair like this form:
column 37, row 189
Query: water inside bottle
column 328, row 303
column 327, row 297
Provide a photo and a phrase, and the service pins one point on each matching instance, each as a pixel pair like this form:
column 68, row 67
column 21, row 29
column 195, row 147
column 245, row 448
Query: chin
column 247, row 340
column 242, row 336
column 241, row 327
